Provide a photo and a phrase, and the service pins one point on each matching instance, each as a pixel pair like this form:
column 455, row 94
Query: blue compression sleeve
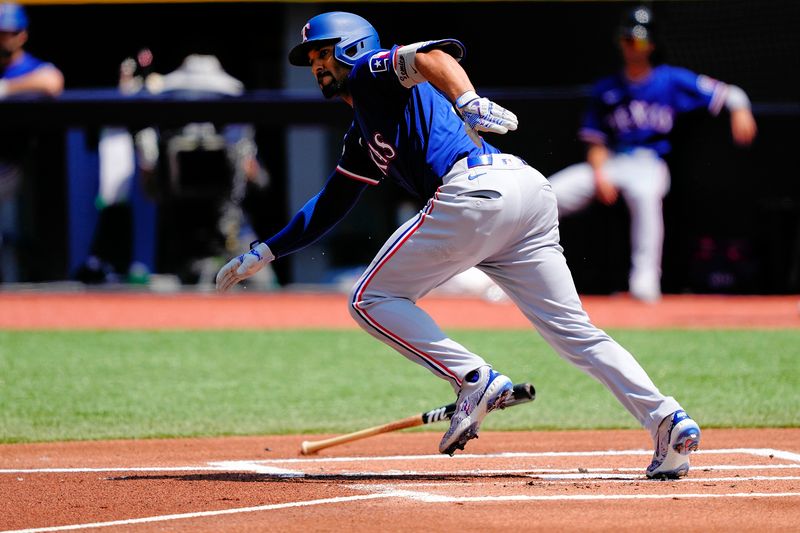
column 320, row 214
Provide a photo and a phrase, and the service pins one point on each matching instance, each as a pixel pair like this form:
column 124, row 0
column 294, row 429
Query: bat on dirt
column 523, row 393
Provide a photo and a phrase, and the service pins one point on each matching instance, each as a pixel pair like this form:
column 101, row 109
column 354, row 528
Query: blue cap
column 351, row 35
column 13, row 18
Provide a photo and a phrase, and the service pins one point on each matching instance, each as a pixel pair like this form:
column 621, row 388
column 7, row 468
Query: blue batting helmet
column 13, row 18
column 352, row 36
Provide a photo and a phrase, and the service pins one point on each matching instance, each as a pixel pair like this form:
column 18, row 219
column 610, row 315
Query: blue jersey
column 626, row 115
column 22, row 66
column 414, row 136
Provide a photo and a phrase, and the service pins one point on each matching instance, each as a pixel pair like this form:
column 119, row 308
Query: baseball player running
column 416, row 121
column 20, row 72
column 626, row 127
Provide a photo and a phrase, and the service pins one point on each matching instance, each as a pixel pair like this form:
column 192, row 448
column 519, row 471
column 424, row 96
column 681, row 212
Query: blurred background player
column 21, row 74
column 111, row 256
column 626, row 126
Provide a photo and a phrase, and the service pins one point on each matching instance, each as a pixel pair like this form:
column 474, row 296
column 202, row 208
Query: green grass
column 98, row 385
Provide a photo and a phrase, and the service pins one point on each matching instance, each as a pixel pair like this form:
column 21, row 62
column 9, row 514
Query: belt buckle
column 479, row 160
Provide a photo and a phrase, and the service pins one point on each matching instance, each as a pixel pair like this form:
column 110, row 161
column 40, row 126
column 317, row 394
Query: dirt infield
column 743, row 480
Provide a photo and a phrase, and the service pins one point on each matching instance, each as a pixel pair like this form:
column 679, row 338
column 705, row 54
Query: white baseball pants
column 502, row 218
column 643, row 181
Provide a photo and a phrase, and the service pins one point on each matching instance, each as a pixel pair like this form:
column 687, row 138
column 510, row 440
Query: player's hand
column 481, row 114
column 244, row 266
column 605, row 191
column 743, row 127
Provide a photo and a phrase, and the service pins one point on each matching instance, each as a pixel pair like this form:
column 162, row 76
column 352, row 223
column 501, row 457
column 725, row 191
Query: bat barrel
column 309, row 447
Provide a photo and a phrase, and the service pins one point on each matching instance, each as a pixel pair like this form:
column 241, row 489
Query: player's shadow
column 251, row 477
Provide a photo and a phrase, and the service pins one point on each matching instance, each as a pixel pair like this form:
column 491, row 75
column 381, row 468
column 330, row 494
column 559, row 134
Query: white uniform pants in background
column 117, row 165
column 643, row 181
column 500, row 217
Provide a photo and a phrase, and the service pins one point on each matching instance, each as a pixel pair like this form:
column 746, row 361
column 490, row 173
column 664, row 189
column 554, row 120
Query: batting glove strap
column 244, row 266
column 465, row 98
column 258, row 256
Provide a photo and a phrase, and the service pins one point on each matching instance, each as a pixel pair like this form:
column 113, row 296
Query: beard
column 335, row 88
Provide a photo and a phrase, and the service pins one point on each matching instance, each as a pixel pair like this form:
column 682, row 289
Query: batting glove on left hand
column 481, row 114
column 244, row 266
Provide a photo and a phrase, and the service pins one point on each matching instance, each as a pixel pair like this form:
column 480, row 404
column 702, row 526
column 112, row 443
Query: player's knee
column 352, row 307
column 358, row 305
column 354, row 303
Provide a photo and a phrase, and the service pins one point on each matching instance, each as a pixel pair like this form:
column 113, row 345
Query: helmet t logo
column 353, row 36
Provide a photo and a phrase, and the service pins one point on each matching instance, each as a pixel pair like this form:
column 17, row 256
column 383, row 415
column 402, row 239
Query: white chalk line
column 427, row 497
column 595, row 478
column 250, row 468
column 260, row 465
column 391, row 492
column 760, row 452
column 395, row 473
column 202, row 514
column 232, row 466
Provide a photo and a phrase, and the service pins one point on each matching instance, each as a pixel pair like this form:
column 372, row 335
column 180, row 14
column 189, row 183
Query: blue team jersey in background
column 24, row 65
column 414, row 136
column 626, row 115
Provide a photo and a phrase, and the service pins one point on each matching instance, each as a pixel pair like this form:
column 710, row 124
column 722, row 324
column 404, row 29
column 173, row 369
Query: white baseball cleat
column 678, row 436
column 483, row 390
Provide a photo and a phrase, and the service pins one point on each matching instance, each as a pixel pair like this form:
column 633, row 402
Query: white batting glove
column 244, row 266
column 481, row 114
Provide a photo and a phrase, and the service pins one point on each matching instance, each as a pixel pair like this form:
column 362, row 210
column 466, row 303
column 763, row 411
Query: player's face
column 329, row 73
column 10, row 43
column 636, row 50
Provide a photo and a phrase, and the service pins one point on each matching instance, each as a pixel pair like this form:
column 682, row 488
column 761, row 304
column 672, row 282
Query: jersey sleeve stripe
column 357, row 177
column 718, row 98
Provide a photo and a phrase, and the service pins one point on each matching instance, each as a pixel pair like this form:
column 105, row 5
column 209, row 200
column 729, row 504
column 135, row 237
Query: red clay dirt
column 34, row 310
column 743, row 480
column 481, row 492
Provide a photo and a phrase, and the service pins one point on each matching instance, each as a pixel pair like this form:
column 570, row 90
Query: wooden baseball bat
column 523, row 393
